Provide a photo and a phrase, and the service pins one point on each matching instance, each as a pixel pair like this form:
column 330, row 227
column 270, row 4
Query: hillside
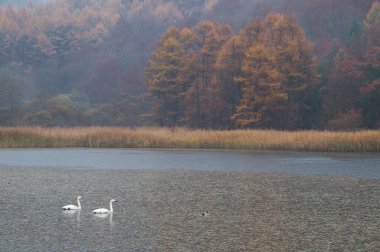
column 82, row 62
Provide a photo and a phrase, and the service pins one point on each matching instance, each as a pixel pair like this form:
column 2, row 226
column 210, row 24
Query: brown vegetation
column 206, row 77
column 81, row 63
column 99, row 137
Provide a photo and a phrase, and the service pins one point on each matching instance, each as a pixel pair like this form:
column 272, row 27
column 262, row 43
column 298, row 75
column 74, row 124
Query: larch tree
column 295, row 61
column 278, row 72
column 225, row 88
column 263, row 97
column 205, row 77
column 163, row 78
column 200, row 107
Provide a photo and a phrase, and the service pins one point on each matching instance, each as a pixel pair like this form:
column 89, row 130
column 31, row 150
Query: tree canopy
column 285, row 64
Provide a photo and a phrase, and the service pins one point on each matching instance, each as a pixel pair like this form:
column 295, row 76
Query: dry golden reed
column 110, row 137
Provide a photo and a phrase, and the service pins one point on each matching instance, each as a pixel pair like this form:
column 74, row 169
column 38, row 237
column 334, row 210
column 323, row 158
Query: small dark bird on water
column 204, row 214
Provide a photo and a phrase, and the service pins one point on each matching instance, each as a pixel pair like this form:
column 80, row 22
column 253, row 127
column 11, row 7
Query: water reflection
column 72, row 214
column 105, row 216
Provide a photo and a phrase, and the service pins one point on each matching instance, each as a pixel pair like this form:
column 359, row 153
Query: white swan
column 105, row 210
column 73, row 207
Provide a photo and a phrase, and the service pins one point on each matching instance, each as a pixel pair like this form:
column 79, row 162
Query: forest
column 209, row 64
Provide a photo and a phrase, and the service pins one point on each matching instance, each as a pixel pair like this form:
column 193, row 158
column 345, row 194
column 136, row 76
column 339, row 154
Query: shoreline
column 189, row 139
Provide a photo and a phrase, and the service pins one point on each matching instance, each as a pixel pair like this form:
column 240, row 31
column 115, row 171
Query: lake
column 266, row 201
column 350, row 164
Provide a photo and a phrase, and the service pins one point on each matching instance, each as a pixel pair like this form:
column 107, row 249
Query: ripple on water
column 159, row 210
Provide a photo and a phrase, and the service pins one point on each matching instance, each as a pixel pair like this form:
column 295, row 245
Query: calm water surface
column 265, row 201
column 365, row 165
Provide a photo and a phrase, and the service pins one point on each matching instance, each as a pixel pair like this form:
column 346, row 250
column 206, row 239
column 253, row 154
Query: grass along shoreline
column 112, row 137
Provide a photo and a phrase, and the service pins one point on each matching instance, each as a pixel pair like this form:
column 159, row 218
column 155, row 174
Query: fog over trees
column 284, row 64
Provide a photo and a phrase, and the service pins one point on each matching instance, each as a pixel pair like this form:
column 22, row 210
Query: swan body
column 105, row 210
column 73, row 207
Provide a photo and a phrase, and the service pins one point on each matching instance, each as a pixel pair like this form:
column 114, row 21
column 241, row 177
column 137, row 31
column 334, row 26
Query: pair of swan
column 96, row 211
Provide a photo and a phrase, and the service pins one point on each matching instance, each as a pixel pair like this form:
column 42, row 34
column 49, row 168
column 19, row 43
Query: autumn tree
column 105, row 81
column 278, row 71
column 326, row 20
column 296, row 63
column 352, row 89
column 200, row 101
column 263, row 97
column 163, row 78
column 10, row 95
column 206, row 77
column 370, row 92
column 227, row 92
column 202, row 76
column 342, row 92
column 10, row 90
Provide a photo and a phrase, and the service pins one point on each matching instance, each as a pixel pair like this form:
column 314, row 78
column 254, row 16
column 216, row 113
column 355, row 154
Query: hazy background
column 82, row 62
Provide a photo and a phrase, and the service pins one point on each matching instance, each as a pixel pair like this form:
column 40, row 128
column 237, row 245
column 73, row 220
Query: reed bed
column 111, row 137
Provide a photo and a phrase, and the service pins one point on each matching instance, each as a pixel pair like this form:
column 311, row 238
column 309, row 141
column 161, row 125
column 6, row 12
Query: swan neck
column 79, row 206
column 111, row 208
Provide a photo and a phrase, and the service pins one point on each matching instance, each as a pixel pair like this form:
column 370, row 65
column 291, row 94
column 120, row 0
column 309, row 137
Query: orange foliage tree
column 206, row 77
column 278, row 71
